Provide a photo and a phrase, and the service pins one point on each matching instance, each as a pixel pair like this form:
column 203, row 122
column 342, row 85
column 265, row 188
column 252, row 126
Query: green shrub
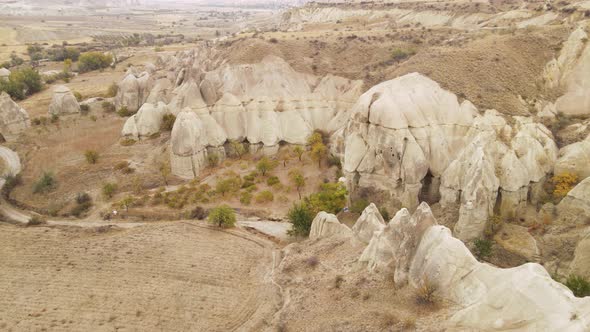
column 271, row 181
column 331, row 198
column 212, row 159
column 36, row 220
column 21, row 83
column 124, row 112
column 578, row 285
column 83, row 204
column 127, row 142
column 301, row 216
column 482, row 248
column 334, row 161
column 246, row 198
column 384, row 214
column 91, row 156
column 108, row 107
column 109, row 190
column 359, row 205
column 84, row 109
column 265, row 165
column 198, row 213
column 168, row 122
column 400, row 54
column 264, row 197
column 45, row 184
column 229, row 185
column 112, row 90
column 94, row 61
column 78, row 96
column 222, row 216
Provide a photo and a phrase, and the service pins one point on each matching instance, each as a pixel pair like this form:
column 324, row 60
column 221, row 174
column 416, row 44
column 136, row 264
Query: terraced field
column 166, row 276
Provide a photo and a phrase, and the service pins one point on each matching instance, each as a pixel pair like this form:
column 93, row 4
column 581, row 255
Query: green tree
column 318, row 152
column 298, row 180
column 222, row 216
column 299, row 151
column 331, row 198
column 165, row 170
column 91, row 156
column 315, row 138
column 127, row 202
column 94, row 61
column 22, row 83
column 238, row 148
column 301, row 217
column 265, row 165
column 109, row 190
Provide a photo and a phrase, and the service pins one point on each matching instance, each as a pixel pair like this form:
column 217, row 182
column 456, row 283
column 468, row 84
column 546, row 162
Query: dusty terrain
column 169, row 276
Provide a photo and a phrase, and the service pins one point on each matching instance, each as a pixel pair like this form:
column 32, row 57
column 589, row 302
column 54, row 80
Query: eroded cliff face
column 410, row 140
column 417, row 251
column 261, row 104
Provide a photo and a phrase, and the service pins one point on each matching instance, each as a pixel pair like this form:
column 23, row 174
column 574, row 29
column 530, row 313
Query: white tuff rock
column 63, row 102
column 13, row 118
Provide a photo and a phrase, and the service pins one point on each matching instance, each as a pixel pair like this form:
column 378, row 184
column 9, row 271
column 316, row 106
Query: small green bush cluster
column 45, row 184
column 359, row 205
column 91, row 156
column 222, row 216
column 168, row 122
column 400, row 54
column 124, row 112
column 578, row 285
column 109, row 190
column 264, row 197
column 108, row 107
column 94, row 61
column 83, row 204
column 482, row 248
column 22, row 83
column 273, row 180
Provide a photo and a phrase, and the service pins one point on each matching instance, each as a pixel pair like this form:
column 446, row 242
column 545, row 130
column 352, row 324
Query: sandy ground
column 173, row 277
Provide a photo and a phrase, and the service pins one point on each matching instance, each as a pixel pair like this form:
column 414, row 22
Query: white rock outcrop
column 63, row 102
column 525, row 298
column 574, row 208
column 146, row 122
column 13, row 119
column 575, row 159
column 326, row 225
column 264, row 103
column 570, row 72
column 133, row 91
column 188, row 145
column 4, row 74
column 409, row 132
column 581, row 264
column 368, row 223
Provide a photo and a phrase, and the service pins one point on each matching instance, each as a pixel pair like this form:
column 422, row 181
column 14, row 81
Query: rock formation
column 525, row 298
column 4, row 74
column 133, row 91
column 574, row 209
column 188, row 145
column 408, row 139
column 63, row 102
column 325, row 225
column 575, row 159
column 13, row 119
column 369, row 222
column 262, row 104
column 146, row 122
column 581, row 264
column 570, row 72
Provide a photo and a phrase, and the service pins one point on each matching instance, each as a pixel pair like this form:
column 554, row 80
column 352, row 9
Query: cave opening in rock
column 430, row 189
